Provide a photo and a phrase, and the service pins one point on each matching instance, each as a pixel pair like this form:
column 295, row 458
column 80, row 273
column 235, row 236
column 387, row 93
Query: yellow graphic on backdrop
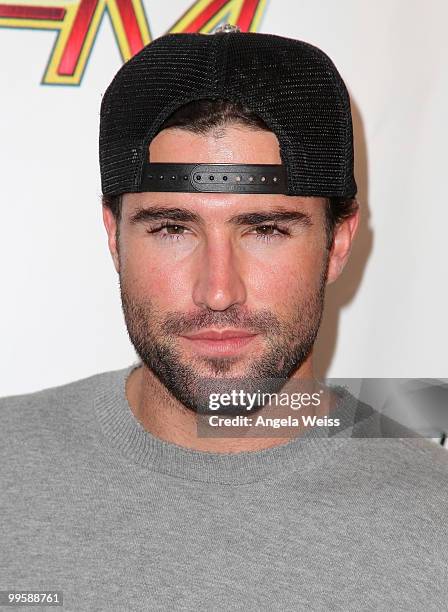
column 77, row 22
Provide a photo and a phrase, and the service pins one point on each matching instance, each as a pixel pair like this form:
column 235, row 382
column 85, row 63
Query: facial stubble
column 288, row 344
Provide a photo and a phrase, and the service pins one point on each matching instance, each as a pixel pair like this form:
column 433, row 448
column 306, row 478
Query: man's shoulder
column 412, row 469
column 45, row 405
column 384, row 451
column 422, row 459
column 73, row 388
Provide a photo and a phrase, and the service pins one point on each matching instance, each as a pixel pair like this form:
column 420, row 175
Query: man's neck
column 166, row 418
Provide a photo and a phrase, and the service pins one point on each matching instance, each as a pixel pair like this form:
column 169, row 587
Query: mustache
column 260, row 322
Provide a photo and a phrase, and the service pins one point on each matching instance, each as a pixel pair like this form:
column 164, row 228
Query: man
column 229, row 204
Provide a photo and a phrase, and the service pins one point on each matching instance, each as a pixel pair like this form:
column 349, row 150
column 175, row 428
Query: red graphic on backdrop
column 77, row 24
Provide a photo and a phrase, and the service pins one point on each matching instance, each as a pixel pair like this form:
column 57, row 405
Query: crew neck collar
column 126, row 434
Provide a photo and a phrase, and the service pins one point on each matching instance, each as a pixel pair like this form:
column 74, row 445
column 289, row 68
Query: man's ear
column 110, row 223
column 344, row 233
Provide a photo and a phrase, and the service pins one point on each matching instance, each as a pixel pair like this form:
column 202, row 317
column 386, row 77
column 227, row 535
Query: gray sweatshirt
column 94, row 505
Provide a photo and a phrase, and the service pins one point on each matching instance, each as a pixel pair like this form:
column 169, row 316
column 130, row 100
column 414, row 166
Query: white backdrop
column 61, row 317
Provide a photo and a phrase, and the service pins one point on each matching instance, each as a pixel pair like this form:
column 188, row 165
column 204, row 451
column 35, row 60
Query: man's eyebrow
column 154, row 213
column 182, row 215
column 278, row 215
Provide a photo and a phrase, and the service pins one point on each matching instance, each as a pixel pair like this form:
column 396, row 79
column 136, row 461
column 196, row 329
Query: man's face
column 227, row 286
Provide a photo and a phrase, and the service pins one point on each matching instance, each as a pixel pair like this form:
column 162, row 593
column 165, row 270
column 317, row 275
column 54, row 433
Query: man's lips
column 209, row 334
column 223, row 342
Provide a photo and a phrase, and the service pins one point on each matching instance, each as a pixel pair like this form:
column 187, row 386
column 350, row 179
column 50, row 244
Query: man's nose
column 219, row 283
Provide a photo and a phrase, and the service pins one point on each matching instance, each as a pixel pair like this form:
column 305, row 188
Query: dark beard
column 288, row 345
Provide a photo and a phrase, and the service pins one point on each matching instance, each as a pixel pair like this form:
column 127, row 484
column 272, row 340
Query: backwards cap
column 293, row 86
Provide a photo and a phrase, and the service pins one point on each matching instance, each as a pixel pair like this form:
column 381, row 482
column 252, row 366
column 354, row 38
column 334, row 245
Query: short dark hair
column 203, row 116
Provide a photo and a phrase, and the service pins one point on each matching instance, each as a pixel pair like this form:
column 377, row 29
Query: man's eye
column 268, row 232
column 174, row 229
column 265, row 230
column 168, row 230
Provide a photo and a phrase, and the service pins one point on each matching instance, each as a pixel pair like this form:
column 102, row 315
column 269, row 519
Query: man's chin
column 220, row 367
column 203, row 378
column 201, row 388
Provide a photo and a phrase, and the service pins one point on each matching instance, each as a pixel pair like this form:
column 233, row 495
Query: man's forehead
column 222, row 206
column 232, row 143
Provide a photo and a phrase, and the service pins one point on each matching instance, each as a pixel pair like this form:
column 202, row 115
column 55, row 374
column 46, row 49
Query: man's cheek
column 168, row 286
column 276, row 283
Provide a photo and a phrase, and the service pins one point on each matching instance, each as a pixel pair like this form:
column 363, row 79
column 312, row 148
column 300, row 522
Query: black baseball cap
column 293, row 86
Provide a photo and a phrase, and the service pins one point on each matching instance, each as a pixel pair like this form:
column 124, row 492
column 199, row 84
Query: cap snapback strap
column 215, row 178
